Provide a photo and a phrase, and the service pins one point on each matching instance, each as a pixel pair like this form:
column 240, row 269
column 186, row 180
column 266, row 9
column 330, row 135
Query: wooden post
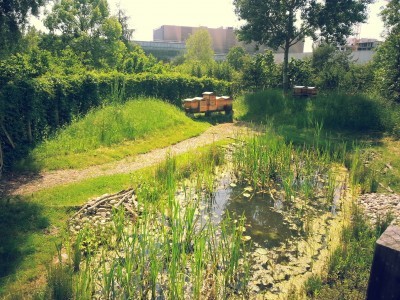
column 384, row 280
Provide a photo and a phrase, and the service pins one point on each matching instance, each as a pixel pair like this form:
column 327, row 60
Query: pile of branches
column 99, row 210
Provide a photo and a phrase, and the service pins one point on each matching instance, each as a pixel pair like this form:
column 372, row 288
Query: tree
column 199, row 47
column 259, row 72
column 13, row 18
column 85, row 26
column 76, row 18
column 274, row 23
column 236, row 57
column 330, row 66
column 127, row 32
column 387, row 58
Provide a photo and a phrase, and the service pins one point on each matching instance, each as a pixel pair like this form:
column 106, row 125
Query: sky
column 147, row 15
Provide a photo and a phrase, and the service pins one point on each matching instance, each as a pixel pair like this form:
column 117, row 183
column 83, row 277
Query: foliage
column 274, row 23
column 387, row 58
column 390, row 16
column 199, row 47
column 260, row 72
column 387, row 67
column 236, row 57
column 77, row 18
column 88, row 29
column 13, row 18
column 330, row 66
column 127, row 32
column 301, row 72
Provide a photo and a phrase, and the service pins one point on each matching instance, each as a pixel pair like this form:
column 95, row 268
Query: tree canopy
column 387, row 58
column 277, row 23
column 199, row 47
column 13, row 17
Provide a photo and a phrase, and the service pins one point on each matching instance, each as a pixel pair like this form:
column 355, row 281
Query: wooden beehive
column 208, row 103
column 211, row 101
column 301, row 90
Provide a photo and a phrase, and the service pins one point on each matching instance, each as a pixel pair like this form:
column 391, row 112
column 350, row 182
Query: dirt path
column 32, row 183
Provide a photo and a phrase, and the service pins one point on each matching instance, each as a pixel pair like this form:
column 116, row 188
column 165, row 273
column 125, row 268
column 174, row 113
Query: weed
column 59, row 282
column 313, row 286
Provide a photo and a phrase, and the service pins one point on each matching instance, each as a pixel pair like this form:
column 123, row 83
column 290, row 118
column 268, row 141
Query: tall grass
column 267, row 163
column 349, row 265
column 336, row 111
column 167, row 252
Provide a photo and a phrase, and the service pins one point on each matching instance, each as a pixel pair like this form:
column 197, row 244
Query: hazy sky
column 147, row 15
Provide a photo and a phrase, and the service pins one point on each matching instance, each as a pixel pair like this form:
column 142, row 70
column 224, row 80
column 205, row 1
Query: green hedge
column 33, row 108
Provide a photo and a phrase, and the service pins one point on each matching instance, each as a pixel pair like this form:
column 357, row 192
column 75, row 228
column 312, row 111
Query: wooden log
column 98, row 201
column 130, row 210
column 123, row 199
column 109, row 198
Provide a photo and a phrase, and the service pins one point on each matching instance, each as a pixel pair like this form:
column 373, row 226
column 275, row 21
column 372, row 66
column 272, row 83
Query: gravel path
column 32, row 183
column 378, row 206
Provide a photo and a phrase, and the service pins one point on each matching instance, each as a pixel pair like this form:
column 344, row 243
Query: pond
column 264, row 221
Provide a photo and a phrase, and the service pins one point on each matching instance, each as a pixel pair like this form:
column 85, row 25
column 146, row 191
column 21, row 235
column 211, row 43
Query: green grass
column 349, row 266
column 355, row 121
column 112, row 133
column 335, row 111
column 32, row 225
column 369, row 129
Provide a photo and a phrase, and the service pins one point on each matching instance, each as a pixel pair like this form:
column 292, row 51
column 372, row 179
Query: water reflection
column 264, row 224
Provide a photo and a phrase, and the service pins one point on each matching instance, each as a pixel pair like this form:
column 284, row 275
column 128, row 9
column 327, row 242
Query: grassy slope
column 112, row 133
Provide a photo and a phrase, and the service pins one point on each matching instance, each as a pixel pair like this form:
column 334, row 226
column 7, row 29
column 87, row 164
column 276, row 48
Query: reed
column 170, row 250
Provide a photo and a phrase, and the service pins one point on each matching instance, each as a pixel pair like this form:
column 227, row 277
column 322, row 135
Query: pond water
column 264, row 222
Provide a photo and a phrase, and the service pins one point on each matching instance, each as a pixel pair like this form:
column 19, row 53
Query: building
column 162, row 50
column 223, row 39
column 363, row 44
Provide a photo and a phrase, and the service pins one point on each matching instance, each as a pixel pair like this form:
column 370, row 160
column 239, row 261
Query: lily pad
column 261, row 251
column 241, row 228
column 232, row 184
column 246, row 238
column 248, row 189
column 247, row 195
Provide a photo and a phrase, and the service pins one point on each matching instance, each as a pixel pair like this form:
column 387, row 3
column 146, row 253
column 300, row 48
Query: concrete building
column 223, row 39
column 163, row 50
column 363, row 44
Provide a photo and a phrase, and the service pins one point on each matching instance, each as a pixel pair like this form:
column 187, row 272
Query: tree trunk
column 286, row 67
column 8, row 136
column 30, row 137
column 1, row 159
